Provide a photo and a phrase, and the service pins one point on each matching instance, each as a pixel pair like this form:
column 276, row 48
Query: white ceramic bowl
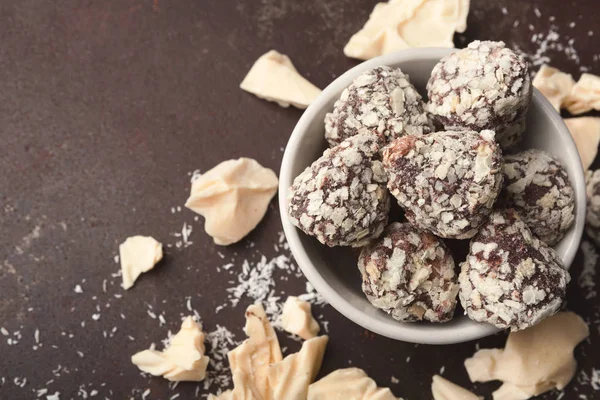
column 333, row 271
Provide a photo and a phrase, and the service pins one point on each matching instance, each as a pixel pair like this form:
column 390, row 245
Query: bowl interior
column 333, row 271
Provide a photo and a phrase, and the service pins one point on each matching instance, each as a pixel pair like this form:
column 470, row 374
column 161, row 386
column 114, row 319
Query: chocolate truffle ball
column 380, row 100
column 341, row 198
column 484, row 86
column 409, row 273
column 537, row 186
column 446, row 182
column 510, row 278
column 592, row 216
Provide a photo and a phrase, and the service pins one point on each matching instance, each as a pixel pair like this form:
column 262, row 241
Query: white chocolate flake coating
column 484, row 86
column 537, row 186
column 381, row 100
column 510, row 278
column 409, row 274
column 341, row 198
column 447, row 182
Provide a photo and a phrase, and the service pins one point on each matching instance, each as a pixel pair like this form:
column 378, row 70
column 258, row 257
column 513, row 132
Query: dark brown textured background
column 107, row 106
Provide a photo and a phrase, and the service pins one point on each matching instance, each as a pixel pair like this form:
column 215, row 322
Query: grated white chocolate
column 554, row 84
column 138, row 254
column 537, row 186
column 381, row 100
column 533, row 361
column 586, row 134
column 592, row 216
column 484, row 86
column 409, row 274
column 348, row 384
column 510, row 278
column 296, row 318
column 341, row 198
column 584, row 96
column 447, row 182
column 182, row 360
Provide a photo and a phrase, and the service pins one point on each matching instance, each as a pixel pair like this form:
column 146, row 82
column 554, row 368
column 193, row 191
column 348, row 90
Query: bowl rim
column 408, row 332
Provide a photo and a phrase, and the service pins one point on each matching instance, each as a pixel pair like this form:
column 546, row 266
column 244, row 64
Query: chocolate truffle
column 409, row 273
column 592, row 216
column 537, row 186
column 510, row 278
column 341, row 198
column 484, row 86
column 446, row 182
column 380, row 100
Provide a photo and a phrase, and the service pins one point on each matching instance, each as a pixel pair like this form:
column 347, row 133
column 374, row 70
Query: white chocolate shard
column 462, row 13
column 297, row 318
column 233, row 197
column 401, row 24
column 138, row 254
column 380, row 33
column 250, row 361
column 273, row 77
column 226, row 395
column 584, row 96
column 182, row 360
column 534, row 360
column 586, row 134
column 482, row 366
column 258, row 371
column 434, row 23
column 289, row 379
column 508, row 391
column 443, row 389
column 554, row 84
column 348, row 384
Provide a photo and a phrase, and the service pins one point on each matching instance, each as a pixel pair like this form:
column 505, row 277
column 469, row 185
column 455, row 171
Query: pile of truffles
column 453, row 165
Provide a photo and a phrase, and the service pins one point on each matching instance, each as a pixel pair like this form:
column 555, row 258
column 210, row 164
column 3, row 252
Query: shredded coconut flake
column 595, row 380
column 551, row 42
column 220, row 341
column 55, row 396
